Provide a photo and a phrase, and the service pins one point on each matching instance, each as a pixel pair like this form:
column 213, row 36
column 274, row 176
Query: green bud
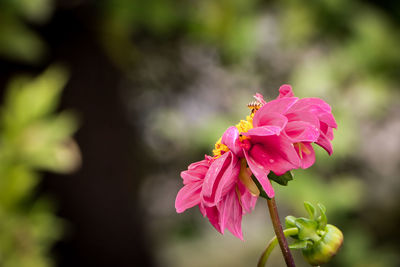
column 324, row 249
column 318, row 241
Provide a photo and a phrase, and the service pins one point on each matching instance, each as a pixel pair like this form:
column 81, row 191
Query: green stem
column 271, row 245
column 273, row 212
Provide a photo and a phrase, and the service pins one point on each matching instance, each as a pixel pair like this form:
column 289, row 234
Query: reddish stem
column 273, row 211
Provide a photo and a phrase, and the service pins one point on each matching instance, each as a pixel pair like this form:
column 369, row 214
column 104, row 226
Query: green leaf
column 310, row 209
column 32, row 99
column 19, row 42
column 282, row 179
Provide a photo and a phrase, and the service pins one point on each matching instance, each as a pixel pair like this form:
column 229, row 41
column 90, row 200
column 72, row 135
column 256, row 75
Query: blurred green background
column 103, row 103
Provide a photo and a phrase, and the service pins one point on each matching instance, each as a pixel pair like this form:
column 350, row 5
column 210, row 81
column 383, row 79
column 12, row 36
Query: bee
column 254, row 106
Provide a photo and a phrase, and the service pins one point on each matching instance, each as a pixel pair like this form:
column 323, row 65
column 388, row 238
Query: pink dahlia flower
column 276, row 137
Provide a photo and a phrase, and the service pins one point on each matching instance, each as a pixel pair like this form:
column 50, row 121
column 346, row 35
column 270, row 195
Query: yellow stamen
column 302, row 149
column 219, row 149
column 243, row 126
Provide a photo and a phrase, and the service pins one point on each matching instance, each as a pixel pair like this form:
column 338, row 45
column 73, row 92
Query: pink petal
column 203, row 163
column 306, row 154
column 228, row 179
column 188, row 197
column 285, row 91
column 213, row 176
column 275, row 153
column 325, row 143
column 231, row 139
column 231, row 214
column 221, row 177
column 269, row 119
column 327, row 130
column 261, row 174
column 263, row 131
column 192, row 176
column 280, row 105
column 303, row 116
column 329, row 133
column 328, row 119
column 260, row 98
column 306, row 103
column 318, row 107
column 300, row 131
column 247, row 200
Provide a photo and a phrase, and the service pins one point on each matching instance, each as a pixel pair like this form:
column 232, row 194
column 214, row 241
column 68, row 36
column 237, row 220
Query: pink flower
column 276, row 137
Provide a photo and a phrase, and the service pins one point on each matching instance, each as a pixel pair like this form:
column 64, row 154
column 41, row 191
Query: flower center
column 243, row 126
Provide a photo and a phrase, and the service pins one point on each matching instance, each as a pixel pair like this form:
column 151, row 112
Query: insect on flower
column 254, row 106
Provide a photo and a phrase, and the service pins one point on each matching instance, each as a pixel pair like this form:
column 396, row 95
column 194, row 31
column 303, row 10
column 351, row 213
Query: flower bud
column 318, row 240
column 324, row 249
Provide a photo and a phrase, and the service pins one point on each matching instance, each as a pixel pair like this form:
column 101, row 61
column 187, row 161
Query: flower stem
column 271, row 245
column 273, row 212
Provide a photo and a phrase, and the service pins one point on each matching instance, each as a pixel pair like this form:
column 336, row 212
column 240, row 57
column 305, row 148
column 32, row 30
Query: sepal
column 290, row 221
column 281, row 179
column 307, row 229
column 322, row 219
column 310, row 209
column 300, row 244
column 260, row 188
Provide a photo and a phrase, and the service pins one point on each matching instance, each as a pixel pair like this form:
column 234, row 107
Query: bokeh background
column 103, row 103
